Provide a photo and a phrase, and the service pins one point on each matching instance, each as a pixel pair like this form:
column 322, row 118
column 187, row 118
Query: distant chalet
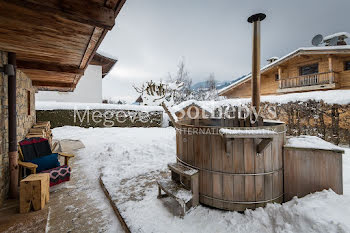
column 305, row 69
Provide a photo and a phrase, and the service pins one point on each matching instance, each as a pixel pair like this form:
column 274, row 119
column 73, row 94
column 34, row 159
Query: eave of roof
column 61, row 46
column 107, row 63
column 303, row 50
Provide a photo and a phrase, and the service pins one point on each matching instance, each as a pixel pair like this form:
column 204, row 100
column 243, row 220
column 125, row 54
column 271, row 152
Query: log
column 34, row 192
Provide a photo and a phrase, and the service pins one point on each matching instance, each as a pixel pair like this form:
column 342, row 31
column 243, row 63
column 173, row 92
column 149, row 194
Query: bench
column 183, row 186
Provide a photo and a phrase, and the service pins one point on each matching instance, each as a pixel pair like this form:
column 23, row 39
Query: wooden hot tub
column 232, row 174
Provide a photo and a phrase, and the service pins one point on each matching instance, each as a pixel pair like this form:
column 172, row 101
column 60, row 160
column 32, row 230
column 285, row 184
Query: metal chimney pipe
column 12, row 128
column 255, row 20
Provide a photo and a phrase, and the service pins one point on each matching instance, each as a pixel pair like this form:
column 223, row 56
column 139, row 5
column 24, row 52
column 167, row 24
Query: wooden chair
column 43, row 150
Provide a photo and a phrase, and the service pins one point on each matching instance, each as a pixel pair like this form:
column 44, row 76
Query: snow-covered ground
column 123, row 153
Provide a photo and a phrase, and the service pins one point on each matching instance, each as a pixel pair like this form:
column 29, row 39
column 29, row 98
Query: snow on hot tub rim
column 272, row 125
column 247, row 130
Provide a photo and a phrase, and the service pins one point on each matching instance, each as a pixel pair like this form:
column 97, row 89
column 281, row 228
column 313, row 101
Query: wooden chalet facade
column 44, row 45
column 305, row 69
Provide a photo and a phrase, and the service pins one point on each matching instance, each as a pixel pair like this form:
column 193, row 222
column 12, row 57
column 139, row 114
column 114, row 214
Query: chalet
column 305, row 69
column 89, row 88
column 44, row 45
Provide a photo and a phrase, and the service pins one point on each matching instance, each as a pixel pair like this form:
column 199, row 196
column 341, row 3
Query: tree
column 211, row 83
column 182, row 76
column 155, row 93
column 208, row 92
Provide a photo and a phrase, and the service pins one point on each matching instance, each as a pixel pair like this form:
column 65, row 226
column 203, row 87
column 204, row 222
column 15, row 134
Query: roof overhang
column 329, row 50
column 107, row 63
column 55, row 40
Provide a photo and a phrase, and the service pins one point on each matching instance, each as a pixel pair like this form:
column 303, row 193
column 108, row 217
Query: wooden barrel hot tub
column 232, row 174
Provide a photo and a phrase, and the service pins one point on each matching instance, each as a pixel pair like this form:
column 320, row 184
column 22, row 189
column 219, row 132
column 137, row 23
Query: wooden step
column 176, row 191
column 182, row 169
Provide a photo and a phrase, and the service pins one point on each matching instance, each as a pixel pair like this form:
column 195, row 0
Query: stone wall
column 3, row 132
column 101, row 118
column 26, row 115
column 24, row 120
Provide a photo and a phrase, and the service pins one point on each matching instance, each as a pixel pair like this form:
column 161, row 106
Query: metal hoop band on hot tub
column 229, row 173
column 242, row 202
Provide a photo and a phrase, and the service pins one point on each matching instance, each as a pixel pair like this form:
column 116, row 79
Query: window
column 309, row 69
column 347, row 65
column 277, row 77
column 28, row 103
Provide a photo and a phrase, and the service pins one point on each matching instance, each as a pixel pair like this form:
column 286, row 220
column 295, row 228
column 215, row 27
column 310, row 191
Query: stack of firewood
column 41, row 129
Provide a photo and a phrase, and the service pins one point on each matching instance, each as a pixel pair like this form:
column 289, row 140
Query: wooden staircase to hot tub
column 183, row 186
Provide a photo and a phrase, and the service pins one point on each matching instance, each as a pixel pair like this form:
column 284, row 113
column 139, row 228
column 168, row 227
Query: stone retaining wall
column 101, row 118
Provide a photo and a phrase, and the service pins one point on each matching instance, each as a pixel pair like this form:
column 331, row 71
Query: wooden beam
column 279, row 72
column 50, row 67
column 330, row 63
column 119, row 6
column 51, row 84
column 86, row 12
column 96, row 38
column 304, row 56
column 85, row 62
column 263, row 144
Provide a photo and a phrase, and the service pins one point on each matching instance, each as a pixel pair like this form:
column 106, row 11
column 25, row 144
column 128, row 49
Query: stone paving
column 75, row 206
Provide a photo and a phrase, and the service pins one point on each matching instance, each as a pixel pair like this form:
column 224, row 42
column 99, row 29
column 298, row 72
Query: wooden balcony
column 319, row 81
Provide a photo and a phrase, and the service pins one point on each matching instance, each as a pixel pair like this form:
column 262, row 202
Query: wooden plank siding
column 290, row 69
column 311, row 170
column 55, row 40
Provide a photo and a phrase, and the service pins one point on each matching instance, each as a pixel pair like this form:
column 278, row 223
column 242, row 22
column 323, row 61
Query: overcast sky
column 151, row 36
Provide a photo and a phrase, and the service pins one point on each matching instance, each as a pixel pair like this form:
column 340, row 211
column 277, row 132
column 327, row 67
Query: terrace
column 310, row 82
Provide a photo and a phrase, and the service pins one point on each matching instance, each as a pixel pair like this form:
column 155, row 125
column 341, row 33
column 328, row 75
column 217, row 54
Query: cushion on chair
column 46, row 162
column 58, row 174
column 34, row 148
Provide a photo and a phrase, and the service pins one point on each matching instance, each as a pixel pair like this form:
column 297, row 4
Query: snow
column 241, row 80
column 311, row 142
column 51, row 105
column 176, row 190
column 319, row 48
column 341, row 97
column 105, row 54
column 247, row 131
column 123, row 153
column 346, row 34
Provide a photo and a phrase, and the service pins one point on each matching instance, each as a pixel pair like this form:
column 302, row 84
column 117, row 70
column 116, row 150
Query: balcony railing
column 308, row 80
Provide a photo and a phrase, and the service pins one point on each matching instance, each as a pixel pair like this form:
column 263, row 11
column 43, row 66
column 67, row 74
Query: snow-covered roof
column 288, row 56
column 338, row 34
column 106, row 54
